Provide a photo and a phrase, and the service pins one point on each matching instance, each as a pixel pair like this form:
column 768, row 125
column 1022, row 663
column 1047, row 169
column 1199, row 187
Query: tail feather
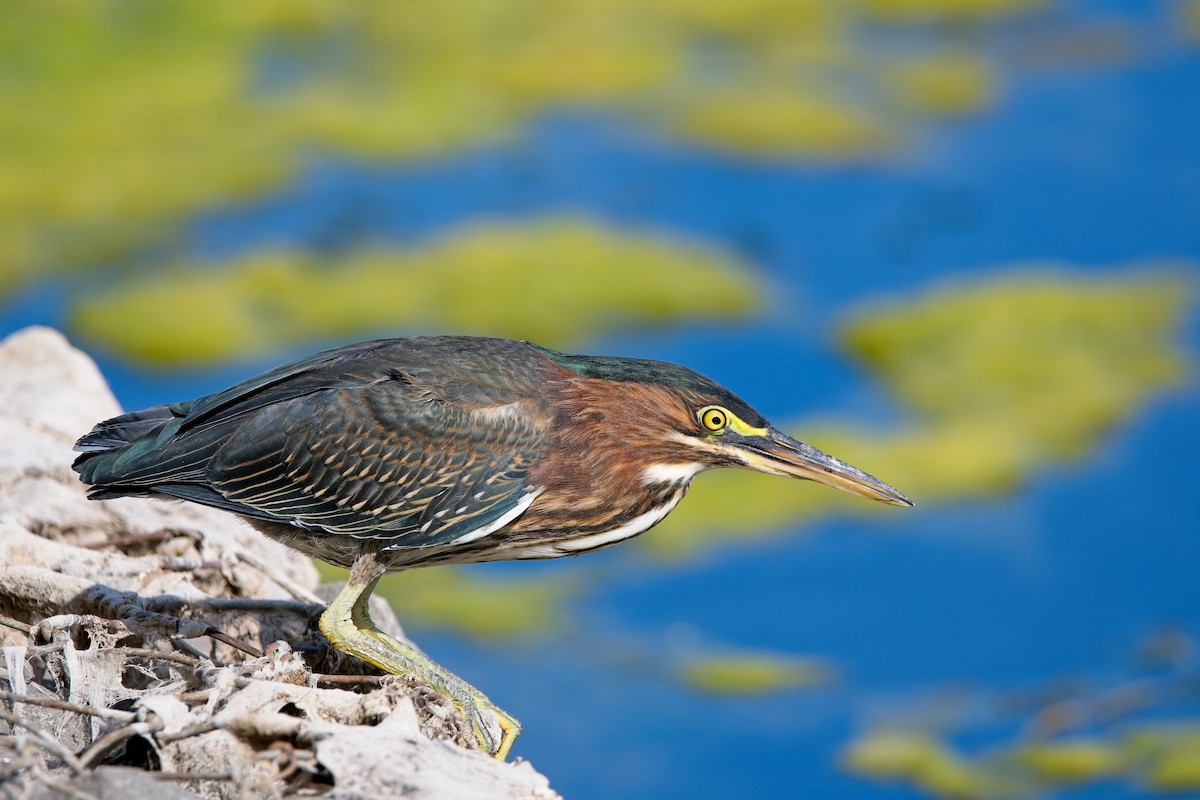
column 130, row 453
column 123, row 430
column 145, row 454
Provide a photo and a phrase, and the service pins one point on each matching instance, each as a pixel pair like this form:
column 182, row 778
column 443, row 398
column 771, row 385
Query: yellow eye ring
column 713, row 418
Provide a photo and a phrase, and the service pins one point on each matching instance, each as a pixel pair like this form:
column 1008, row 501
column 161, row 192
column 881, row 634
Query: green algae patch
column 946, row 84
column 482, row 608
column 124, row 117
column 925, row 761
column 1175, row 770
column 1012, row 752
column 1072, row 761
column 461, row 601
column 1001, row 377
column 1189, row 19
column 894, row 753
column 1167, row 756
column 1055, row 360
column 931, row 764
column 784, row 121
column 947, row 10
column 1159, row 759
column 555, row 281
column 749, row 674
column 119, row 118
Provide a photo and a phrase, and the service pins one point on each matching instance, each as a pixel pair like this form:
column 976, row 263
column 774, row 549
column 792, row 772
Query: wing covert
column 384, row 460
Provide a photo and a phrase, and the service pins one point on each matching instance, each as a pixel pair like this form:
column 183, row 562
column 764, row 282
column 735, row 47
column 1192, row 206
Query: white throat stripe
column 670, row 473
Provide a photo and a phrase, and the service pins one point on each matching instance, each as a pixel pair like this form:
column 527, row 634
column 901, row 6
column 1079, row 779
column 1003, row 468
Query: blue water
column 1092, row 167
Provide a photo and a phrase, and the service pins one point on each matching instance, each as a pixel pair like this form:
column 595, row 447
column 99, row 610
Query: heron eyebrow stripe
column 740, row 426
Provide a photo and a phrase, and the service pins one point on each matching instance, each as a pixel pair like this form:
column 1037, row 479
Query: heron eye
column 714, row 418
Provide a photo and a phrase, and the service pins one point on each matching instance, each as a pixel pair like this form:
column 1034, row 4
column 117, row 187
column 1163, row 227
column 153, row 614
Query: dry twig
column 44, row 740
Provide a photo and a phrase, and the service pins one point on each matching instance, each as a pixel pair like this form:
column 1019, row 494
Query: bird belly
column 342, row 549
column 554, row 546
column 337, row 549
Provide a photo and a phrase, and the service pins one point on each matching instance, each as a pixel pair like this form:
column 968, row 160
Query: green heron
column 400, row 453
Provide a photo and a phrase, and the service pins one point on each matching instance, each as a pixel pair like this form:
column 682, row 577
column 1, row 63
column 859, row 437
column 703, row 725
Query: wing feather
column 418, row 441
column 377, row 461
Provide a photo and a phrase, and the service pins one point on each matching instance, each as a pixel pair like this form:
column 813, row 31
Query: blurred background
column 952, row 241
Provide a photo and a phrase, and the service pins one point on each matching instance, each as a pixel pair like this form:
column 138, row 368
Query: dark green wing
column 137, row 433
column 418, row 441
column 380, row 461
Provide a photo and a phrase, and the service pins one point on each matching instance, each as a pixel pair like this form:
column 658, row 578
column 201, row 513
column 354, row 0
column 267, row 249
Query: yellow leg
column 347, row 624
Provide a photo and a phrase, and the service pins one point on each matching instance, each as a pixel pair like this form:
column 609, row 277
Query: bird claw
column 495, row 730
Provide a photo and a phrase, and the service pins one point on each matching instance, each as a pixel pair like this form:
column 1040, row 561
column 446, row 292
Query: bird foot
column 347, row 625
column 494, row 729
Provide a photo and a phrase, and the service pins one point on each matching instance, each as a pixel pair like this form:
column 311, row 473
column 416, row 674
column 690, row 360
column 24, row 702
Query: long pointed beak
column 780, row 454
